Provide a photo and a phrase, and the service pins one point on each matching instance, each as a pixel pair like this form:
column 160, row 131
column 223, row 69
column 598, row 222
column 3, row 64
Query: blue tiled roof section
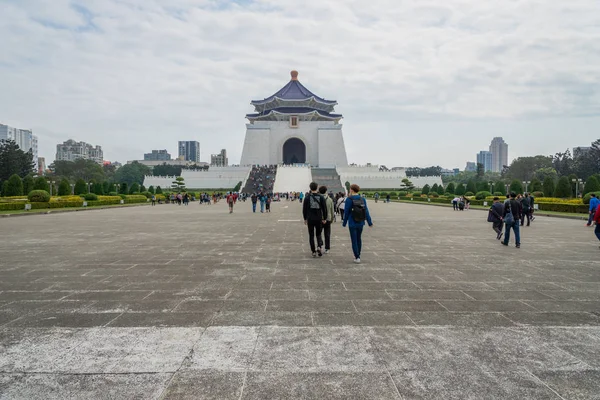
column 294, row 111
column 294, row 90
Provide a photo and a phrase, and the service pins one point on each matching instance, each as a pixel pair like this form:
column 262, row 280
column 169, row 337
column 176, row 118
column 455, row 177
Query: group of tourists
column 511, row 215
column 461, row 203
column 318, row 211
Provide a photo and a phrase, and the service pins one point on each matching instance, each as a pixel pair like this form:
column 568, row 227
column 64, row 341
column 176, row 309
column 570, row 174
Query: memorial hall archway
column 294, row 151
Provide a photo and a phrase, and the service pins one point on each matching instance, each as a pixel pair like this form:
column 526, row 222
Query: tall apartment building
column 189, row 151
column 72, row 150
column 24, row 138
column 499, row 150
column 220, row 159
column 485, row 158
column 157, row 155
column 471, row 167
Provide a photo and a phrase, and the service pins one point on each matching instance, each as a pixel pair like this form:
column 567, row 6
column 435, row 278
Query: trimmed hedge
column 91, row 197
column 12, row 206
column 135, row 198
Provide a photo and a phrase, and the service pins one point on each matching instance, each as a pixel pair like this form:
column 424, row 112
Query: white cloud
column 134, row 75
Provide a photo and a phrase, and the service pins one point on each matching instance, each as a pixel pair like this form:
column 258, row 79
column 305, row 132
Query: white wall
column 264, row 142
column 214, row 178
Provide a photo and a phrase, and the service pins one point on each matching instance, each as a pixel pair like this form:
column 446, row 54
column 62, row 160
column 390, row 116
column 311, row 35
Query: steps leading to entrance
column 292, row 179
column 328, row 177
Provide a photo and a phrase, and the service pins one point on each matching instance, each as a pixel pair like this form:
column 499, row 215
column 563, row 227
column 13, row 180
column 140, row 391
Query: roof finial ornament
column 294, row 75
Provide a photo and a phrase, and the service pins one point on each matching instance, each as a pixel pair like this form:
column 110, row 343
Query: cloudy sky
column 419, row 82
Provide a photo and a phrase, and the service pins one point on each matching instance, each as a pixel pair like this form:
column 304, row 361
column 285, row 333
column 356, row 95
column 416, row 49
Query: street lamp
column 50, row 185
column 491, row 187
column 577, row 182
column 507, row 188
column 526, row 183
column 89, row 187
column 72, row 188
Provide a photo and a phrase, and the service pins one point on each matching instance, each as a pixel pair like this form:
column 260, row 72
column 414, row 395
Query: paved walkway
column 193, row 303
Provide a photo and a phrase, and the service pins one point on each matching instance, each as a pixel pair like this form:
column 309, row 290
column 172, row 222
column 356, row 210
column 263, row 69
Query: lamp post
column 89, row 187
column 491, row 187
column 507, row 188
column 50, row 185
column 526, row 183
column 116, row 188
column 577, row 182
column 72, row 188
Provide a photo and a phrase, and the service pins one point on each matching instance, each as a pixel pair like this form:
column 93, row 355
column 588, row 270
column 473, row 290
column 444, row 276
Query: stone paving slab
column 209, row 305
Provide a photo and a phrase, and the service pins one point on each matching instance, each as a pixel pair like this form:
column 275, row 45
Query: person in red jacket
column 230, row 202
column 597, row 221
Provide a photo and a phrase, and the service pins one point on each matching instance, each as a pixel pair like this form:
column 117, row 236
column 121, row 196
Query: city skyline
column 189, row 70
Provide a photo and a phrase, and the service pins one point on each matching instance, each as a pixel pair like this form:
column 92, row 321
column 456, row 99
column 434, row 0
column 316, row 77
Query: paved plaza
column 174, row 302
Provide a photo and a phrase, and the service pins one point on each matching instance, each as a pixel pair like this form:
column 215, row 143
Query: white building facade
column 499, row 150
column 294, row 126
column 72, row 150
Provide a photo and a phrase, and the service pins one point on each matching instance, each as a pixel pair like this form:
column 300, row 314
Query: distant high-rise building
column 157, row 155
column 190, row 151
column 24, row 138
column 471, row 167
column 219, row 160
column 499, row 150
column 72, row 150
column 485, row 158
column 41, row 166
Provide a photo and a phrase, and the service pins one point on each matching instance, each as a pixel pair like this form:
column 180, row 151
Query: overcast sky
column 419, row 82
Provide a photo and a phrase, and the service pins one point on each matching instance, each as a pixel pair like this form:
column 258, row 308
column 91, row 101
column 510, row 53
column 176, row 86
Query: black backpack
column 359, row 212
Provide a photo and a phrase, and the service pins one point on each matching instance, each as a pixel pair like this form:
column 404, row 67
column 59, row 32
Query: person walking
column 594, row 202
column 254, row 200
column 314, row 211
column 341, row 205
column 230, row 202
column 330, row 218
column 526, row 207
column 512, row 218
column 355, row 214
column 301, row 197
column 597, row 222
column 263, row 201
column 455, row 203
column 496, row 216
column 153, row 200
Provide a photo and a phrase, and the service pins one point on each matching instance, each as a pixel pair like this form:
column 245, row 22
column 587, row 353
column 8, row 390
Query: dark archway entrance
column 294, row 151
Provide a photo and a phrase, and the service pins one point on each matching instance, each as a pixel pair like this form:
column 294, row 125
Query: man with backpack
column 355, row 215
column 526, row 207
column 314, row 211
column 512, row 218
column 496, row 216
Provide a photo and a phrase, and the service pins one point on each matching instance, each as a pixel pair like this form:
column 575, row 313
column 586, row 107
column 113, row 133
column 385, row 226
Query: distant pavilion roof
column 294, row 98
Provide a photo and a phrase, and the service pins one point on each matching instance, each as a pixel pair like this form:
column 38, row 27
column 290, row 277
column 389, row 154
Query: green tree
column 523, row 168
column 483, row 186
column 142, row 188
column 13, row 160
column 460, row 189
column 471, row 187
column 500, row 187
column 543, row 173
column 159, row 190
column 27, row 184
column 134, row 172
column 88, row 170
column 107, row 187
column 548, row 186
column 135, row 188
column 407, row 185
column 64, row 188
column 480, row 170
column 13, row 186
column 167, row 170
column 434, row 188
column 516, row 186
column 563, row 188
column 123, row 188
column 591, row 185
column 178, row 184
column 535, row 185
column 80, row 186
column 151, row 189
column 98, row 189
column 41, row 183
column 425, row 189
column 450, row 188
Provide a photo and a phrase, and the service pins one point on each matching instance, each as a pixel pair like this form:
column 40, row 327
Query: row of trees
column 563, row 188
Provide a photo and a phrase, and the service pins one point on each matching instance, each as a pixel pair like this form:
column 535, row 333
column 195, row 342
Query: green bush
column 80, row 187
column 538, row 194
column 393, row 194
column 123, row 196
column 401, row 194
column 563, row 188
column 569, row 208
column 40, row 196
column 147, row 194
column 12, row 206
column 40, row 183
column 469, row 194
column 135, row 198
column 498, row 194
column 63, row 204
column 113, row 194
column 135, row 188
column 434, row 195
column 588, row 196
column 28, row 184
column 416, row 194
column 64, row 188
column 91, row 196
column 482, row 195
column 158, row 190
column 591, row 185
